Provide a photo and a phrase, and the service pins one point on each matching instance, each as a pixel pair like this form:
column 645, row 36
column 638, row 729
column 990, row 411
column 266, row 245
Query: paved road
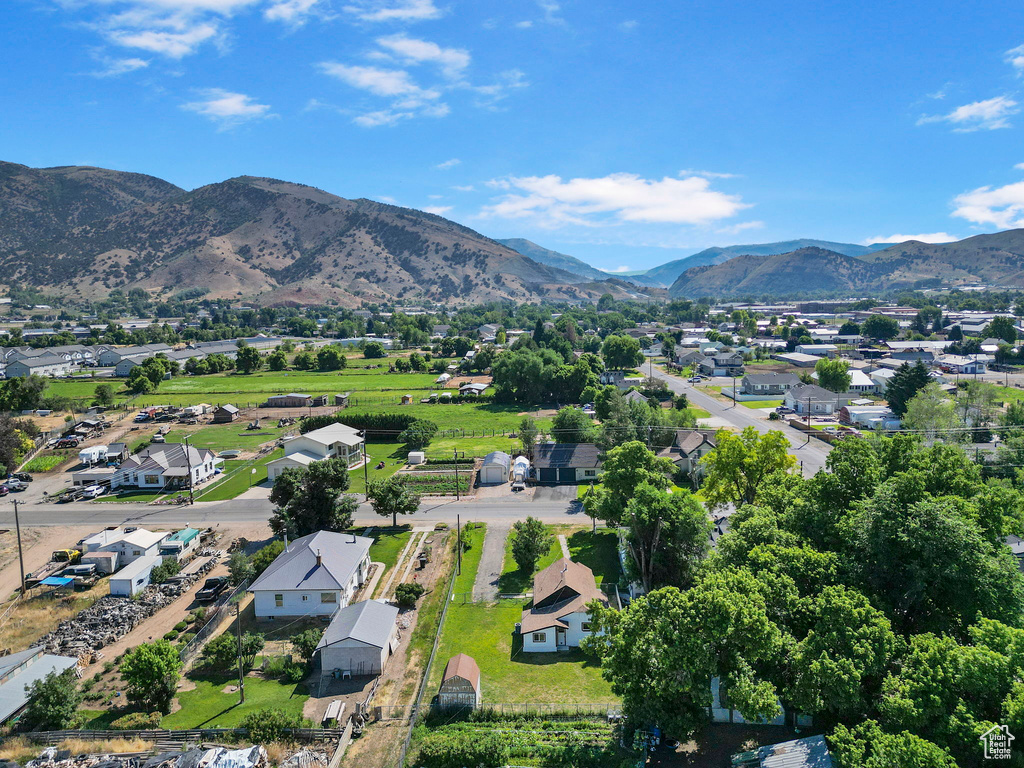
column 811, row 455
column 258, row 510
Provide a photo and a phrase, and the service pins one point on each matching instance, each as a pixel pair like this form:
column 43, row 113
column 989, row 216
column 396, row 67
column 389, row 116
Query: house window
column 328, row 597
column 585, row 626
column 279, row 601
column 137, row 553
column 305, row 598
column 152, row 479
column 589, row 472
column 540, row 637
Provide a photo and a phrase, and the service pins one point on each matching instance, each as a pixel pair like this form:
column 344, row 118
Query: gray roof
column 22, row 669
column 773, row 379
column 296, row 567
column 811, row 752
column 498, row 457
column 369, row 622
column 814, row 392
column 567, row 455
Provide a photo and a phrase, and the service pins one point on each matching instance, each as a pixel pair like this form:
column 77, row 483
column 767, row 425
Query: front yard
column 208, row 705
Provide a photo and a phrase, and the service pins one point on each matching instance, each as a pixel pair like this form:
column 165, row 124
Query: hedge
column 375, row 424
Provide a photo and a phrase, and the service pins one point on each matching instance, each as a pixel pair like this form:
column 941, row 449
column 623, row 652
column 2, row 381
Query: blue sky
column 626, row 134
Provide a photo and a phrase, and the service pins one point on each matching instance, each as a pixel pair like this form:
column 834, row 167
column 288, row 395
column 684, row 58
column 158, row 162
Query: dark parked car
column 4, row 490
column 25, row 477
column 212, row 588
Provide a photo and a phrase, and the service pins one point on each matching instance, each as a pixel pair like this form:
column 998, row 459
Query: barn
column 225, row 414
column 460, row 685
column 291, row 400
column 359, row 639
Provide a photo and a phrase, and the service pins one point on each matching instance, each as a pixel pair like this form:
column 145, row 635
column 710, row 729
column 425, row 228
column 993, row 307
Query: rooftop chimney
column 319, row 562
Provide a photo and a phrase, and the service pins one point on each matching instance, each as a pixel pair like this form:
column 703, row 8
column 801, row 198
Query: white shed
column 520, row 469
column 496, row 468
column 134, row 577
column 359, row 639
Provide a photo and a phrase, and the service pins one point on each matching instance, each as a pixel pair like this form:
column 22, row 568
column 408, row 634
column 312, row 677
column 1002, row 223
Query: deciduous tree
column 150, row 672
column 392, row 496
column 739, row 464
column 530, row 540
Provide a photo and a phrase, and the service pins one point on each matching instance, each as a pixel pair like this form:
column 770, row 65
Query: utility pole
column 808, row 420
column 458, row 527
column 238, row 632
column 456, row 458
column 188, row 463
column 21, row 559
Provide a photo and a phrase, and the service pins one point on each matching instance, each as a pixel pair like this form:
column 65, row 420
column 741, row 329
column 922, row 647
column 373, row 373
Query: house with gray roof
column 40, row 365
column 19, row 670
column 360, row 639
column 315, row 576
column 769, row 383
column 811, row 398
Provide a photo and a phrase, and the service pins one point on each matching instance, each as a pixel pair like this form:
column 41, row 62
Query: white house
column 41, row 365
column 315, row 576
column 959, row 364
column 136, row 545
column 133, row 578
column 335, row 441
column 360, row 639
column 166, row 466
column 558, row 618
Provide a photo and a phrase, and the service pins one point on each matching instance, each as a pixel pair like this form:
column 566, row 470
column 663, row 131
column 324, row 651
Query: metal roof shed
column 359, row 639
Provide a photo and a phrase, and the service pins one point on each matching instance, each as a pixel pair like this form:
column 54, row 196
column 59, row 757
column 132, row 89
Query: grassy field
column 230, row 437
column 699, row 413
column 598, row 551
column 36, row 616
column 208, row 706
column 485, row 631
column 760, row 403
column 387, row 547
column 513, row 581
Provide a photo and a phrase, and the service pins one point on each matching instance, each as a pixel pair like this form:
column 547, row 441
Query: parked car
column 212, row 588
column 694, row 379
column 4, row 490
column 784, row 409
column 25, row 477
column 68, row 442
column 92, row 491
column 158, row 439
column 14, row 484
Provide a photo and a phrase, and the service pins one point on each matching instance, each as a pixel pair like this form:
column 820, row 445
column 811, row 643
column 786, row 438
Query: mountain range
column 83, row 231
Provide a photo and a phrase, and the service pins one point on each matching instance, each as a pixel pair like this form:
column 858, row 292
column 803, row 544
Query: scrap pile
column 307, row 758
column 216, row 757
column 111, row 618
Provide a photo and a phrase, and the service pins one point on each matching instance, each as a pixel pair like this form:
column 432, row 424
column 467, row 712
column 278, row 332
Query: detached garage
column 495, row 469
column 359, row 640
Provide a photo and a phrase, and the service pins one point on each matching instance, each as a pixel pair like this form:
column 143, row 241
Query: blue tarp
column 57, row 581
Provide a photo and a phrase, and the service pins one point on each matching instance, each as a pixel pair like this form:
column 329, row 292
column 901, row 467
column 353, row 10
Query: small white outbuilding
column 496, row 468
column 359, row 639
column 134, row 577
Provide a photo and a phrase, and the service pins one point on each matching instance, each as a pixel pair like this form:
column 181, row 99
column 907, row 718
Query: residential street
column 811, row 455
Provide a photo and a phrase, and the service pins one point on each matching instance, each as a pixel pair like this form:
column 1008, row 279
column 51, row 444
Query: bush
column 460, row 748
column 384, row 425
column 295, row 673
column 305, row 642
column 181, row 626
column 199, row 616
column 93, row 696
column 169, row 567
column 407, row 594
column 267, row 725
column 418, row 434
column 186, row 638
column 172, row 635
column 136, row 721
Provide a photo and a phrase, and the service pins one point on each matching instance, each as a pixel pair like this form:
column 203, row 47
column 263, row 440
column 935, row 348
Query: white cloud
column 290, row 11
column 174, row 45
column 466, row 188
column 380, row 82
column 447, row 164
column 227, row 108
column 439, row 210
column 1015, row 58
column 488, row 96
column 617, row 269
column 928, row 237
column 551, row 9
column 708, row 174
column 616, row 198
column 629, row 25
column 523, row 24
column 115, row 67
column 1001, row 207
column 452, row 61
column 987, row 115
column 394, row 10
column 1019, row 167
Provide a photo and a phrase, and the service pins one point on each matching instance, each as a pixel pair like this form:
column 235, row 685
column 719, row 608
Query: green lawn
column 237, row 478
column 699, row 413
column 208, row 707
column 470, row 557
column 386, row 548
column 485, row 632
column 513, row 581
column 599, row 552
column 761, row 403
column 132, row 497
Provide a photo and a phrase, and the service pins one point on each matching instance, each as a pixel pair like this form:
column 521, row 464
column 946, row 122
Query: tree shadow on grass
column 515, row 582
